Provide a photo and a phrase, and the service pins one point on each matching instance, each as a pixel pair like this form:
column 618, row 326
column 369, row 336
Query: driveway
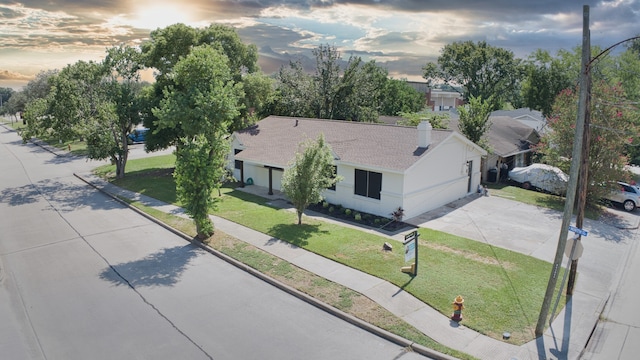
column 535, row 231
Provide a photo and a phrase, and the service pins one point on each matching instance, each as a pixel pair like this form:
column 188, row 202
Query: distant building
column 440, row 100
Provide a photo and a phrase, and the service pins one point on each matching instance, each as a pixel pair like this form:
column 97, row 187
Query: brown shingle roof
column 274, row 141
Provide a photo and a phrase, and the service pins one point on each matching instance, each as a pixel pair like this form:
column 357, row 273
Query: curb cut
column 407, row 344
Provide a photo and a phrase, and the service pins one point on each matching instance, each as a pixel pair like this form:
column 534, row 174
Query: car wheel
column 629, row 205
column 526, row 185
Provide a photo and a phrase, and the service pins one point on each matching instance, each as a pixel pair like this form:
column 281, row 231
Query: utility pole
column 573, row 174
column 584, row 175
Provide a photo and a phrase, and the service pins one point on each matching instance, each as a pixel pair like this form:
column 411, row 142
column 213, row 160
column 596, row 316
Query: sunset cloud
column 401, row 35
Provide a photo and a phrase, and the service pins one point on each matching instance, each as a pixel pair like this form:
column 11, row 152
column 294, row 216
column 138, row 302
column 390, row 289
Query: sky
column 400, row 35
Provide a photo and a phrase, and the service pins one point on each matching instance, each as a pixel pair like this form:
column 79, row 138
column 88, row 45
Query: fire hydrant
column 457, row 308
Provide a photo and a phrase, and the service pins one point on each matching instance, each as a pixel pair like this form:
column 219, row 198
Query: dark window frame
column 367, row 183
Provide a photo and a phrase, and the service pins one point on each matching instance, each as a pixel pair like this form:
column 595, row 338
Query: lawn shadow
column 294, row 234
column 162, row 268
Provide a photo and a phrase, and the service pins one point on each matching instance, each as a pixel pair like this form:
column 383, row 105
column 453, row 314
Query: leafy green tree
column 5, row 95
column 76, row 101
column 15, row 104
column 326, row 80
column 108, row 139
column 612, row 126
column 474, row 120
column 294, row 91
column 360, row 92
column 628, row 66
column 399, row 97
column 167, row 46
column 259, row 94
column 437, row 120
column 309, row 175
column 202, row 103
column 483, row 71
column 96, row 102
column 39, row 87
column 545, row 77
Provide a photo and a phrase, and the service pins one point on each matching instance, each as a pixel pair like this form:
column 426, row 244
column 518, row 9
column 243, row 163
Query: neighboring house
column 531, row 118
column 440, row 100
column 510, row 142
column 383, row 167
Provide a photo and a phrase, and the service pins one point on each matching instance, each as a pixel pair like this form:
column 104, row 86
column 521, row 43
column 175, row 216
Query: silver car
column 627, row 195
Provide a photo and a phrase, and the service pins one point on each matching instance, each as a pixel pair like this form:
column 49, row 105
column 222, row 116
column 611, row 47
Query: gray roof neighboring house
column 506, row 136
column 275, row 140
column 532, row 118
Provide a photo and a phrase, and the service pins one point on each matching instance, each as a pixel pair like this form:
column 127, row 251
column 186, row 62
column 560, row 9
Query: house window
column 335, row 173
column 368, row 183
column 237, row 163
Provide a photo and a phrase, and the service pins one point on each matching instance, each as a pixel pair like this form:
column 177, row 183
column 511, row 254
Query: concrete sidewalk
column 500, row 222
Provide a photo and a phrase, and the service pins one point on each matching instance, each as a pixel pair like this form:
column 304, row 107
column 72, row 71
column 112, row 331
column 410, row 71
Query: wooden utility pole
column 576, row 162
column 584, row 175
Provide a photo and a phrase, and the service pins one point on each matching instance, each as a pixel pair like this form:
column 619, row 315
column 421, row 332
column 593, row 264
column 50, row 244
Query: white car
column 542, row 177
column 628, row 195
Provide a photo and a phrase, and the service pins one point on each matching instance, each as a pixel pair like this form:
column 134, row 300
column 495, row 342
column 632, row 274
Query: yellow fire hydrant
column 457, row 308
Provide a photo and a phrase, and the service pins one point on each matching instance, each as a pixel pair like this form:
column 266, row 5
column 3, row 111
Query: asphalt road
column 83, row 277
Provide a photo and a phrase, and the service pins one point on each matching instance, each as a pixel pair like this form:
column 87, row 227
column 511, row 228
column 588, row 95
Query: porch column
column 270, row 180
column 241, row 173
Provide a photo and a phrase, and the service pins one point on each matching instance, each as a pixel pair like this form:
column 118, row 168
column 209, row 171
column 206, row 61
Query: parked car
column 541, row 177
column 138, row 134
column 627, row 195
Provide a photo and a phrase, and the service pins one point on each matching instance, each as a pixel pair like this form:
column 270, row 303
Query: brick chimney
column 424, row 134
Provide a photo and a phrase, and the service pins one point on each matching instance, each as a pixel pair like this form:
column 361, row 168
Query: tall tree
column 326, row 80
column 482, row 70
column 96, row 102
column 108, row 139
column 5, row 95
column 294, row 91
column 202, row 103
column 259, row 94
column 164, row 50
column 76, row 101
column 544, row 78
column 399, row 97
column 474, row 120
column 309, row 175
column 359, row 92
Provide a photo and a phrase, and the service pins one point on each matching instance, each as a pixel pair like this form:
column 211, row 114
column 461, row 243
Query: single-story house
column 383, row 167
column 527, row 116
column 511, row 142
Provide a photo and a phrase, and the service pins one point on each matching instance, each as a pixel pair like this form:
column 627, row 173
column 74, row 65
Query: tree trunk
column 299, row 217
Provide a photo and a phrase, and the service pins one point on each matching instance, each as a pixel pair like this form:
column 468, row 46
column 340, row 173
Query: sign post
column 411, row 252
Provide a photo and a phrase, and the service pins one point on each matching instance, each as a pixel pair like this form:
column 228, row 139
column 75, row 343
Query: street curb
column 422, row 350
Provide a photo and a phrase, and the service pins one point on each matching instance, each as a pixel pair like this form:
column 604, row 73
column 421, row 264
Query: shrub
column 325, row 204
column 332, row 209
column 376, row 221
column 347, row 212
column 357, row 216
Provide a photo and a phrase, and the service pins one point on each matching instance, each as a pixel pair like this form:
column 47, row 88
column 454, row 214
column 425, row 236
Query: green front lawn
column 549, row 201
column 503, row 290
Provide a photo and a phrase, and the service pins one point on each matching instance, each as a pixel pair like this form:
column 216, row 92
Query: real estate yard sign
column 411, row 252
column 410, row 246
